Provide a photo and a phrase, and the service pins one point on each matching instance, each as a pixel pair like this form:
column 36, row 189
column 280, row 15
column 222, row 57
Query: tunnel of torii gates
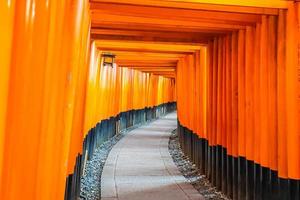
column 232, row 69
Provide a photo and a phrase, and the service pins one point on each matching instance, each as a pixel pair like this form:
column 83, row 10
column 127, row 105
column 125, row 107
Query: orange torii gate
column 231, row 66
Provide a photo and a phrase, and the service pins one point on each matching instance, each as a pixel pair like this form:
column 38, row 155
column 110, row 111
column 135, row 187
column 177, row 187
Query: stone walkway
column 139, row 167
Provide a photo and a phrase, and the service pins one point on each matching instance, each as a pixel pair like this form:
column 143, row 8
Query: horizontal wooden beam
column 157, row 70
column 137, row 54
column 129, row 59
column 268, row 7
column 147, row 66
column 252, row 3
column 154, row 34
column 142, row 58
column 148, row 27
column 167, row 68
column 163, row 73
column 145, row 61
column 150, row 33
column 174, row 13
column 116, row 45
column 143, row 36
column 170, row 51
column 133, row 64
column 102, row 18
column 143, row 51
column 191, row 46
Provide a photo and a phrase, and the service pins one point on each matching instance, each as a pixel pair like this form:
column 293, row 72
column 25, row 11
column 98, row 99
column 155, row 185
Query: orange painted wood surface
column 252, row 87
column 232, row 67
column 53, row 90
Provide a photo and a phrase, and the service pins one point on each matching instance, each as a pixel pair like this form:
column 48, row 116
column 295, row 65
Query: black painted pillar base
column 105, row 130
column 236, row 177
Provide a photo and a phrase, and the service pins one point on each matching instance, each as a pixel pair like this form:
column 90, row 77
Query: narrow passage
column 140, row 167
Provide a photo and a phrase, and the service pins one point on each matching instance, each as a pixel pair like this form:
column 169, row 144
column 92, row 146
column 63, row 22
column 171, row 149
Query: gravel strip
column 191, row 173
column 90, row 187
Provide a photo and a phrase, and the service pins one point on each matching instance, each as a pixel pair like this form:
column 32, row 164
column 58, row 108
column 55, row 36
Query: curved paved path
column 139, row 167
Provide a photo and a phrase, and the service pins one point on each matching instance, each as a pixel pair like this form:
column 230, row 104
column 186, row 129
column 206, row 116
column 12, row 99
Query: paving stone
column 144, row 169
